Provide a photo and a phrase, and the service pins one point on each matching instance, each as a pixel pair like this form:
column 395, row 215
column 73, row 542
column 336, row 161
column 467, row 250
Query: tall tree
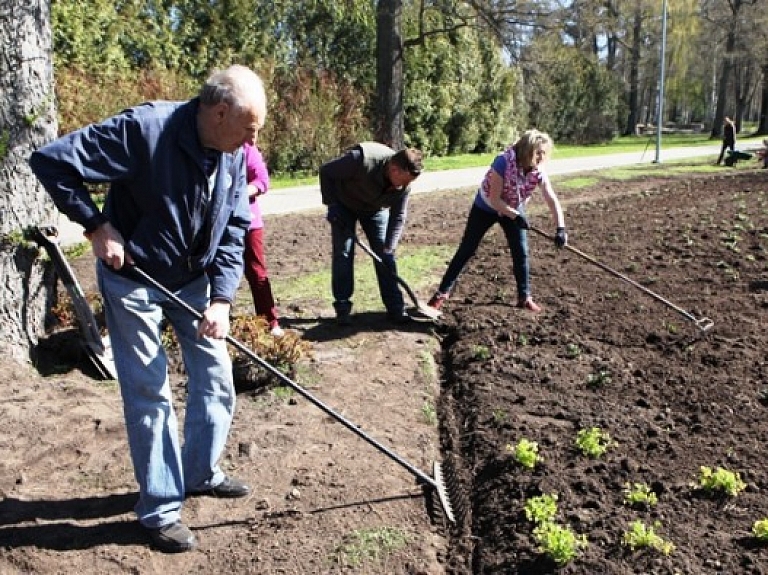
column 27, row 120
column 461, row 95
column 390, row 128
column 762, row 124
column 729, row 18
column 635, row 54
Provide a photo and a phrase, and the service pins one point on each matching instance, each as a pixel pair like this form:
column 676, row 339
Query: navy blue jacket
column 152, row 159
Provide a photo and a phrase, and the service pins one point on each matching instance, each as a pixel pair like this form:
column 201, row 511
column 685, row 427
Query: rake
column 437, row 483
column 96, row 347
column 703, row 323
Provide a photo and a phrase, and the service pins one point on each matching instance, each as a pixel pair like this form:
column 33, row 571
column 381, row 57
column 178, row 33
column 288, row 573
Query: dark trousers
column 343, row 263
column 478, row 224
column 727, row 145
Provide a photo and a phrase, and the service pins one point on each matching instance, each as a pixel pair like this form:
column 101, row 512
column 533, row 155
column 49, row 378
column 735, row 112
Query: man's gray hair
column 238, row 86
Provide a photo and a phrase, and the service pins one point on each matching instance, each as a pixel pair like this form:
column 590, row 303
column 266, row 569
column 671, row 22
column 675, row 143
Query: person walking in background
column 502, row 197
column 255, row 262
column 762, row 154
column 729, row 138
column 177, row 208
column 369, row 183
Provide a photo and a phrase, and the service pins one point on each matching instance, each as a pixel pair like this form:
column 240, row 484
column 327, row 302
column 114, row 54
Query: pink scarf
column 517, row 187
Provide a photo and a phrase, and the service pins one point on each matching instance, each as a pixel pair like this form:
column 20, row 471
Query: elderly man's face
column 235, row 127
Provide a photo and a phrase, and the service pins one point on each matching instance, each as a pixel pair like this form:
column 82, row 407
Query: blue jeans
column 164, row 470
column 343, row 264
column 478, row 223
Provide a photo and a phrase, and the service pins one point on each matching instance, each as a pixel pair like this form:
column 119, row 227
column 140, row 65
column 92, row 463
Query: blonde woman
column 506, row 189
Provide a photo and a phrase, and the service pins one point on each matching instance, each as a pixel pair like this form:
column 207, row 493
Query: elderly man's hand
column 215, row 322
column 109, row 246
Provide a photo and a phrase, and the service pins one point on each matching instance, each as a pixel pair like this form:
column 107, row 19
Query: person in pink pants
column 255, row 263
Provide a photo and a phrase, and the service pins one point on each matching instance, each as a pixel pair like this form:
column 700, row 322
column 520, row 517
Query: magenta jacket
column 256, row 174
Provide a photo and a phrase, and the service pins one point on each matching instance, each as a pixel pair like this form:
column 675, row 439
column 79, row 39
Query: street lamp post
column 662, row 60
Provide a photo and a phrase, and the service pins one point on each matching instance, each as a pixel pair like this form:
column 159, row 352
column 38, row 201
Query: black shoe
column 343, row 318
column 230, row 488
column 172, row 538
column 399, row 318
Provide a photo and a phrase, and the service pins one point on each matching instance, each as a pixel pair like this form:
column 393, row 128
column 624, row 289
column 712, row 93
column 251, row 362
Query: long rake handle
column 367, row 249
column 703, row 323
column 423, row 308
column 420, row 475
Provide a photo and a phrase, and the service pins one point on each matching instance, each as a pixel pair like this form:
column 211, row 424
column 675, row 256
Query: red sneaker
column 529, row 304
column 437, row 300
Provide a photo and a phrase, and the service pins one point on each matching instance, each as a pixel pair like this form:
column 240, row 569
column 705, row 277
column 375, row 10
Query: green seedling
column 522, row 339
column 481, row 352
column 593, row 442
column 282, row 393
column 721, row 481
column 572, row 351
column 730, row 240
column 760, row 530
column 499, row 416
column 642, row 536
column 429, row 413
column 558, row 542
column 671, row 328
column 599, row 379
column 526, row 453
column 639, row 495
column 427, row 365
column 541, row 509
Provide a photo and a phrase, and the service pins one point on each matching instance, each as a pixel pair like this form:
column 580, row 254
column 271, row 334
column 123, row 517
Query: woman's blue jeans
column 343, row 264
column 478, row 224
column 164, row 470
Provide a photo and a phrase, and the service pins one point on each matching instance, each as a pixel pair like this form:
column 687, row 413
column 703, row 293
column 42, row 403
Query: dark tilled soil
column 603, row 354
column 606, row 354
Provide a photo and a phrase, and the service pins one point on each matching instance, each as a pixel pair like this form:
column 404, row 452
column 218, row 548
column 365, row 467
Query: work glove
column 521, row 222
column 561, row 238
column 333, row 213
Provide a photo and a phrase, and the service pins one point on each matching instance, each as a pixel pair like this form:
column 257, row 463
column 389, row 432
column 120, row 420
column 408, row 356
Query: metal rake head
column 428, row 312
column 449, row 494
column 705, row 324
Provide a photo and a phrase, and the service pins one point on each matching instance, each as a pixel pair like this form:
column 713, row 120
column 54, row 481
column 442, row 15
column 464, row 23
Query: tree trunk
column 762, row 127
column 390, row 127
column 723, row 87
column 634, row 75
column 27, row 120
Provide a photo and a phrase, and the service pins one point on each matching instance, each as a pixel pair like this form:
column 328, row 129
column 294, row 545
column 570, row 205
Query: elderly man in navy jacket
column 177, row 208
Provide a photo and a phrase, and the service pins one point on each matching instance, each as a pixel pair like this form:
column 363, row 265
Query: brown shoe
column 529, row 304
column 437, row 300
column 172, row 538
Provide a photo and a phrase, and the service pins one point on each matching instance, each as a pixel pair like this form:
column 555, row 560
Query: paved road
column 287, row 200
